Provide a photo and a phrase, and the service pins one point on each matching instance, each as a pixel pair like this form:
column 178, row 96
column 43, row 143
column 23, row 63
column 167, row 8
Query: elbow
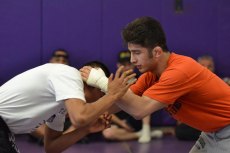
column 139, row 115
column 79, row 121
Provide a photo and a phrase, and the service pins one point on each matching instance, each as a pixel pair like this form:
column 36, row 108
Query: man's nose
column 132, row 59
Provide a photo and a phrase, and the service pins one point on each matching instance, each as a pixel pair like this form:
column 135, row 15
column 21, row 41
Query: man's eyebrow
column 135, row 50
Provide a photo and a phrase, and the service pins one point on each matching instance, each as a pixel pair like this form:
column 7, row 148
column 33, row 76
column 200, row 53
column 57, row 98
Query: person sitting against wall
column 125, row 126
column 227, row 80
column 60, row 56
column 183, row 131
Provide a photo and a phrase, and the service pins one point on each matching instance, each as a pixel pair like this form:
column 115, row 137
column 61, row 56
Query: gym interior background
column 91, row 30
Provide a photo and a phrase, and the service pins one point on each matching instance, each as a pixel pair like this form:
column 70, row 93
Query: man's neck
column 162, row 64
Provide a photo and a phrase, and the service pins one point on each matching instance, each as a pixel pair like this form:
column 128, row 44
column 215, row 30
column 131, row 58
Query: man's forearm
column 137, row 106
column 114, row 109
column 81, row 114
column 64, row 141
column 97, row 108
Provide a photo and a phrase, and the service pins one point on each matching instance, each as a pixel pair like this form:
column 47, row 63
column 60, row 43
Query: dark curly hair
column 145, row 31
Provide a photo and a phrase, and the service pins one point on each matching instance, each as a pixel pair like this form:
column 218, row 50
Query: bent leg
column 116, row 133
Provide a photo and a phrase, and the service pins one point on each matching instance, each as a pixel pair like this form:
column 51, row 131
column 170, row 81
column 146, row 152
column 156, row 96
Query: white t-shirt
column 37, row 96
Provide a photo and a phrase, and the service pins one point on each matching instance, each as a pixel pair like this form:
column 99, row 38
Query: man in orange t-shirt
column 188, row 91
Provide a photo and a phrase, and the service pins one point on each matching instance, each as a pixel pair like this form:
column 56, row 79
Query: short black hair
column 62, row 50
column 146, row 32
column 100, row 65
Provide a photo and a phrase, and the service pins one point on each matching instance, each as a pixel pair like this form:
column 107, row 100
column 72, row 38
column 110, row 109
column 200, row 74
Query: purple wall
column 91, row 30
column 20, row 32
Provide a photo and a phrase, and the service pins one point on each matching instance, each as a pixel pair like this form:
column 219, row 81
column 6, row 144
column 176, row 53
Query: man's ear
column 157, row 51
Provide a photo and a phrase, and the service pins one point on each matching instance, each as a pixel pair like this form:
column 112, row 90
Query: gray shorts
column 213, row 142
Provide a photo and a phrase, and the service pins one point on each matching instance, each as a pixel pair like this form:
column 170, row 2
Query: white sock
column 145, row 134
column 138, row 133
column 156, row 134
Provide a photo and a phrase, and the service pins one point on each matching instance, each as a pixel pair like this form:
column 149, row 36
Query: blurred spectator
column 227, row 80
column 60, row 56
column 126, row 127
column 207, row 61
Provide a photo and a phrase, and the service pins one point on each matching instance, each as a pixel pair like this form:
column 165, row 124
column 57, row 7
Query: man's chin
column 141, row 70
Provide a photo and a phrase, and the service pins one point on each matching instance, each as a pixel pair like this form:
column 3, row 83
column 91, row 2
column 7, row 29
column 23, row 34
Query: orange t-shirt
column 194, row 94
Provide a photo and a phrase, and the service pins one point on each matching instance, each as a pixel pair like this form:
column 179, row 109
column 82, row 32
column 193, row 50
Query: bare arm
column 137, row 106
column 114, row 109
column 81, row 113
column 56, row 142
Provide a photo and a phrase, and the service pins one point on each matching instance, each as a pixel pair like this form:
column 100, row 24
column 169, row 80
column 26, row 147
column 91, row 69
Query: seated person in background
column 60, row 56
column 183, row 131
column 227, row 80
column 207, row 61
column 125, row 127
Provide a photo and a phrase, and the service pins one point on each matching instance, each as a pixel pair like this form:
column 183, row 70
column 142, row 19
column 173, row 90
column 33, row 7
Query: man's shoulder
column 181, row 66
column 182, row 63
column 55, row 67
column 177, row 58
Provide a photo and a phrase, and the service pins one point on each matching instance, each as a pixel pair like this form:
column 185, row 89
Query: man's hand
column 100, row 124
column 95, row 77
column 119, row 84
column 116, row 85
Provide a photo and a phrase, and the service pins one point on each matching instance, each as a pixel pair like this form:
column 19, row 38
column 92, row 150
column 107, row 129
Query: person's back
column 32, row 94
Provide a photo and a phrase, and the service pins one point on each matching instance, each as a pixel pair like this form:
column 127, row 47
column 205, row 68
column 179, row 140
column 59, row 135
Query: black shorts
column 7, row 139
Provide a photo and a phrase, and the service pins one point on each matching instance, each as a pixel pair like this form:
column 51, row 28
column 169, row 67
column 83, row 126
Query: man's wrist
column 103, row 84
column 98, row 79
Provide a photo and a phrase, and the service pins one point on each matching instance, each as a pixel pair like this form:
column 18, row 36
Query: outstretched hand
column 116, row 85
column 120, row 82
